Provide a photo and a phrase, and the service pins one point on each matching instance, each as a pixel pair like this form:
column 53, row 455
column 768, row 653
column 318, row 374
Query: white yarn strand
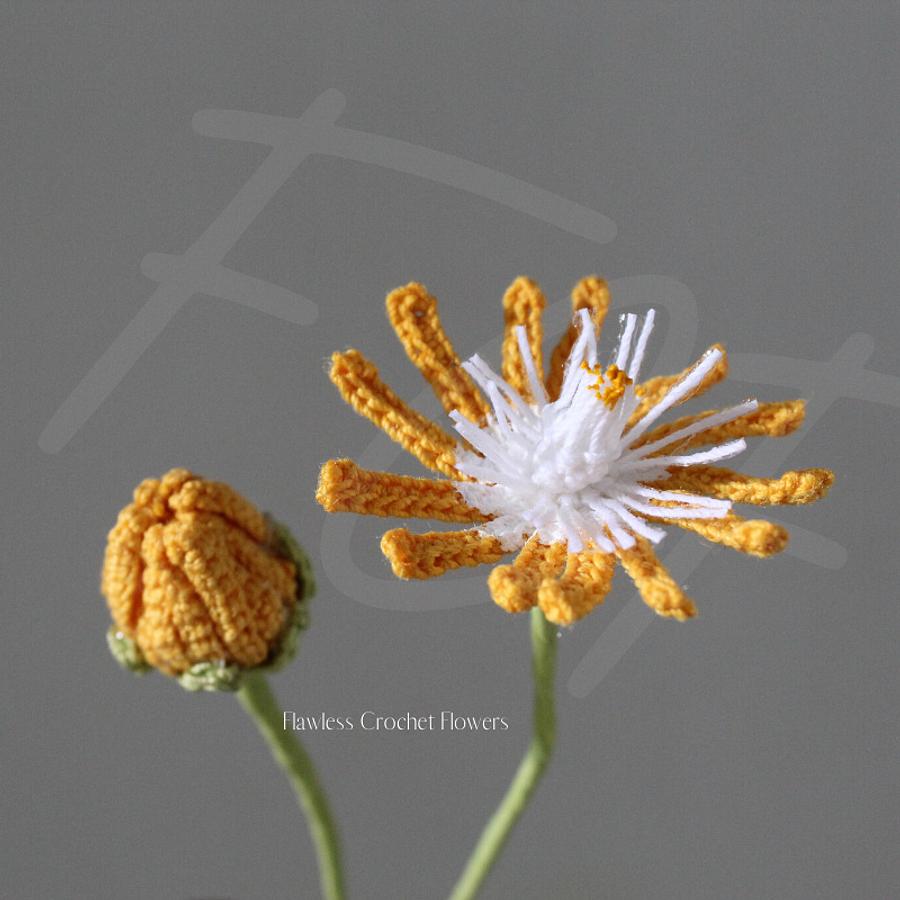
column 625, row 342
column 634, row 367
column 679, row 390
column 538, row 392
column 713, row 421
column 567, row 471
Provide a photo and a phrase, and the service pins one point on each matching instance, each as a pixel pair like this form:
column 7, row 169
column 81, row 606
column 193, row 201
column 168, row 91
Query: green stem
column 257, row 698
column 499, row 826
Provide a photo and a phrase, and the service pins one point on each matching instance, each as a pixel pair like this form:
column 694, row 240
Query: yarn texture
column 568, row 468
column 200, row 584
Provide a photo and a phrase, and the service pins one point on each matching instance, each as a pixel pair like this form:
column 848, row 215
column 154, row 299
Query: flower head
column 200, row 584
column 572, row 470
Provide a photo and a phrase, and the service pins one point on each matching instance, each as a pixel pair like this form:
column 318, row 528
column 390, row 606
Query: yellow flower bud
column 195, row 575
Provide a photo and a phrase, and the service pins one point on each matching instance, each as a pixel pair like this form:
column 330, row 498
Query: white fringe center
column 567, row 471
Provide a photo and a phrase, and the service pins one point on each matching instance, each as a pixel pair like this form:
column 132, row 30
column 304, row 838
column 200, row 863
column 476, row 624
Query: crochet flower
column 200, row 584
column 573, row 470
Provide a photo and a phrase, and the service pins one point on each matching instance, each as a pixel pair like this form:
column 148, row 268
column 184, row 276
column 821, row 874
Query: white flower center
column 567, row 470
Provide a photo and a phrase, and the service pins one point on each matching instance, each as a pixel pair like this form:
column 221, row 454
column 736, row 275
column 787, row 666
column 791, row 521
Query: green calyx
column 211, row 676
column 126, row 652
column 218, row 675
column 284, row 544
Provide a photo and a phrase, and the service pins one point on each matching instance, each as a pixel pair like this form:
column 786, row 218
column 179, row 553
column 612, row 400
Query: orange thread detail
column 615, row 381
column 591, row 293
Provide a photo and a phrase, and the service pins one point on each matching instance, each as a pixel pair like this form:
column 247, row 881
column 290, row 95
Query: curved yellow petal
column 155, row 630
column 800, row 486
column 657, row 587
column 244, row 588
column 514, row 587
column 757, row 537
column 217, row 497
column 435, row 552
column 360, row 385
column 197, row 634
column 581, row 588
column 413, row 313
column 122, row 579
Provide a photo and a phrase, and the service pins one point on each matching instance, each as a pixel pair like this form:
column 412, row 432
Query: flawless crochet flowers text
column 445, row 720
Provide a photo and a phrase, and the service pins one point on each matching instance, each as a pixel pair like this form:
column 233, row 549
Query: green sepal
column 285, row 545
column 126, row 652
column 211, row 676
column 290, row 640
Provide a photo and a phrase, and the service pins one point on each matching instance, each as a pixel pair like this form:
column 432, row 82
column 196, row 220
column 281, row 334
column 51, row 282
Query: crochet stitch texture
column 565, row 467
column 190, row 575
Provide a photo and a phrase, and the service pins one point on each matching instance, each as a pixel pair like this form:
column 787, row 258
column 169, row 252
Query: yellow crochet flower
column 199, row 583
column 570, row 469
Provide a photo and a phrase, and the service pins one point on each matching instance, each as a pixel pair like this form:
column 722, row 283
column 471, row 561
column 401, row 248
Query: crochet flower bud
column 200, row 583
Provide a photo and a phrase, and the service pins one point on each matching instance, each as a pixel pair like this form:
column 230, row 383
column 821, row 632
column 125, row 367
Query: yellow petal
column 657, row 587
column 248, row 610
column 523, row 304
column 435, row 552
column 801, row 486
column 358, row 381
column 345, row 487
column 514, row 587
column 155, row 632
column 413, row 313
column 754, row 536
column 581, row 588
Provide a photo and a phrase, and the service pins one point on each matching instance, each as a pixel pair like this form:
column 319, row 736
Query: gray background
column 746, row 150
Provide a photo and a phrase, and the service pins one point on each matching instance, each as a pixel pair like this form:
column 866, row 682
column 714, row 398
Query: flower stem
column 257, row 698
column 499, row 826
